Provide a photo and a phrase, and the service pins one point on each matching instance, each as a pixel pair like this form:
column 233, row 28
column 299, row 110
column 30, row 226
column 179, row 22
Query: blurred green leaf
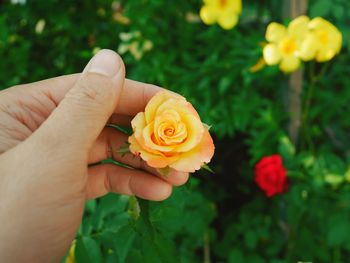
column 236, row 256
column 320, row 8
column 123, row 242
column 87, row 250
column 339, row 229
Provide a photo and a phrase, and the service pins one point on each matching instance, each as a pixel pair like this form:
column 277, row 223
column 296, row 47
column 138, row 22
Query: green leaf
column 236, row 256
column 155, row 247
column 207, row 126
column 224, row 85
column 134, row 256
column 347, row 175
column 250, row 239
column 334, row 179
column 307, row 160
column 164, row 171
column 90, row 206
column 87, row 251
column 108, row 161
column 112, row 203
column 321, row 8
column 133, row 208
column 286, row 147
column 149, row 250
column 207, row 168
column 253, row 258
column 123, row 242
column 126, row 130
column 123, row 150
column 166, row 249
column 339, row 229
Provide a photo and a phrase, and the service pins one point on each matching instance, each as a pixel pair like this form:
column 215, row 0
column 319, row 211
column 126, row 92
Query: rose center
column 288, row 46
column 169, row 131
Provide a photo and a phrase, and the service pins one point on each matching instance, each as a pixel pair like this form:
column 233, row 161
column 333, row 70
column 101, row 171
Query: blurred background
column 225, row 216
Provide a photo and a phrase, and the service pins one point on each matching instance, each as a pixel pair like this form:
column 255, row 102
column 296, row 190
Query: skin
column 50, row 131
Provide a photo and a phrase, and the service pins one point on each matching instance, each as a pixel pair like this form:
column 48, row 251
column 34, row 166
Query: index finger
column 135, row 97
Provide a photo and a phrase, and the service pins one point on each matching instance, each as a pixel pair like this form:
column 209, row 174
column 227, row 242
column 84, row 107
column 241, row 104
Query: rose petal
column 156, row 101
column 153, row 160
column 138, row 122
column 147, row 134
column 179, row 105
column 193, row 160
column 195, row 131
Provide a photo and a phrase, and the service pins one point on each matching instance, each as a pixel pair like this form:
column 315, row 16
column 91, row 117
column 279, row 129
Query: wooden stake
column 295, row 8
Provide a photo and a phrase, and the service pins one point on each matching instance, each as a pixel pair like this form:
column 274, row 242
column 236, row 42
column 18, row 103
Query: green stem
column 145, row 217
column 310, row 93
column 314, row 79
column 144, row 214
column 293, row 235
column 206, row 248
column 306, row 109
column 336, row 255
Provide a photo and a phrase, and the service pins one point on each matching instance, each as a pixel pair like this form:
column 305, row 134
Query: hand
column 50, row 131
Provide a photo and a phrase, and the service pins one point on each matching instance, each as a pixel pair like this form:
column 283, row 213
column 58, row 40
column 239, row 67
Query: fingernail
column 105, row 62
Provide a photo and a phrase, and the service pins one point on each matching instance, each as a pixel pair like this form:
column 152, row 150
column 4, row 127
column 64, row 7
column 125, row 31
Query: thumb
column 82, row 114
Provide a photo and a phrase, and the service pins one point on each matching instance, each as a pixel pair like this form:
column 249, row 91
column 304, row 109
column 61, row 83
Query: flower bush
column 221, row 217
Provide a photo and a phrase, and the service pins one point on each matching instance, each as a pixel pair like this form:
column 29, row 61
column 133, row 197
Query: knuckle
column 93, row 88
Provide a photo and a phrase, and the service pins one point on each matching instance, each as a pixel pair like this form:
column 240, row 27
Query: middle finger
column 111, row 141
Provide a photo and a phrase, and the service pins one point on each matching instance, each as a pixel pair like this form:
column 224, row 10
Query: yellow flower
column 284, row 43
column 71, row 255
column 303, row 40
column 134, row 43
column 170, row 134
column 223, row 12
column 322, row 42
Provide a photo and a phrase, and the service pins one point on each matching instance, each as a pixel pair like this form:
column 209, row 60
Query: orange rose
column 170, row 134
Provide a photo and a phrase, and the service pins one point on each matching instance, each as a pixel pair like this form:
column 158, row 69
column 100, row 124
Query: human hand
column 50, row 131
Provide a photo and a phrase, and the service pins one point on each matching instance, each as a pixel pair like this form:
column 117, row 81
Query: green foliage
column 223, row 213
column 125, row 229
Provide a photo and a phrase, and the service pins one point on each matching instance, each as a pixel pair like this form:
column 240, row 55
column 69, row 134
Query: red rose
column 270, row 175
